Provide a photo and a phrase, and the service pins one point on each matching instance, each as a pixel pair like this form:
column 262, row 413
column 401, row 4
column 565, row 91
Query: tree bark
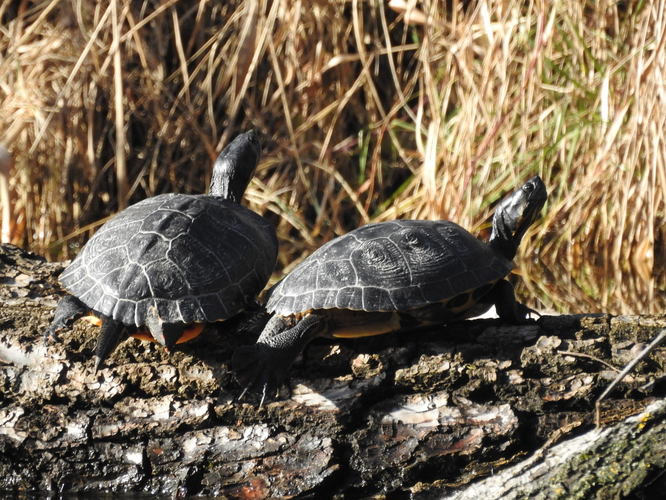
column 473, row 409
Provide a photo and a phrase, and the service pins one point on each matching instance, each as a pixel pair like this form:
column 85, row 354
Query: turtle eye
column 528, row 188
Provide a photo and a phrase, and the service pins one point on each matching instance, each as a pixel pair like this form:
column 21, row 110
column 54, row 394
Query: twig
column 119, row 112
column 589, row 356
column 6, row 164
column 623, row 373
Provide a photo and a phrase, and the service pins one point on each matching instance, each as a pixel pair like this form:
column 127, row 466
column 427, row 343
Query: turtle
column 164, row 267
column 388, row 276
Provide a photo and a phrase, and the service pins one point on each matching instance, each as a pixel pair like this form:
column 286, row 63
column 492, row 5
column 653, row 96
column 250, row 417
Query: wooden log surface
column 473, row 409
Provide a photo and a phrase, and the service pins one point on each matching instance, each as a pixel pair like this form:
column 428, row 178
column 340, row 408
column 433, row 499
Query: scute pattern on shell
column 197, row 258
column 389, row 266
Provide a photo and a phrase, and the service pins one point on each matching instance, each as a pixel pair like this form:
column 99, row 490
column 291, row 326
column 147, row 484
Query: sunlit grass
column 370, row 111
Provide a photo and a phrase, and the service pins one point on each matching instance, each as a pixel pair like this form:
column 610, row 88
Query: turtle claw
column 50, row 335
column 263, row 396
column 240, row 397
column 259, row 371
column 533, row 311
column 98, row 364
column 247, row 389
column 525, row 313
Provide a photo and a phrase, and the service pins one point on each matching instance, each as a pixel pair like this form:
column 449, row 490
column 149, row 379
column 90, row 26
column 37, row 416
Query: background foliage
column 370, row 110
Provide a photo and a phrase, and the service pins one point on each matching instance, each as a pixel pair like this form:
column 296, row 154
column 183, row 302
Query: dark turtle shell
column 389, row 266
column 196, row 258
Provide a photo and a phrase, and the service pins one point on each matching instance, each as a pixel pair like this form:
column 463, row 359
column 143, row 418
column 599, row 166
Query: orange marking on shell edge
column 188, row 334
column 143, row 335
column 191, row 333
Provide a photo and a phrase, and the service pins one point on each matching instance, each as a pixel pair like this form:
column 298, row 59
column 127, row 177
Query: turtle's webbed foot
column 525, row 313
column 508, row 308
column 520, row 315
column 263, row 367
column 51, row 334
column 260, row 370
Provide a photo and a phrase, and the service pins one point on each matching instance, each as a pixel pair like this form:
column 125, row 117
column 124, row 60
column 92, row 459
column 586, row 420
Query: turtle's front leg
column 68, row 310
column 508, row 308
column 263, row 366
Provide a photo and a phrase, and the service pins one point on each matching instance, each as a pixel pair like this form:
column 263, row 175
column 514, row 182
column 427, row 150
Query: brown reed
column 370, row 111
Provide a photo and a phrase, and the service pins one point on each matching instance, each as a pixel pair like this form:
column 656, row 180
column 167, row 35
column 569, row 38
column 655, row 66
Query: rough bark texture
column 457, row 410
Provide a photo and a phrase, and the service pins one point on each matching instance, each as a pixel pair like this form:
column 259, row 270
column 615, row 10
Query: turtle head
column 515, row 214
column 235, row 166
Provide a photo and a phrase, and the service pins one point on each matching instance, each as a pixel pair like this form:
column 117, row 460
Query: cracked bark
column 459, row 410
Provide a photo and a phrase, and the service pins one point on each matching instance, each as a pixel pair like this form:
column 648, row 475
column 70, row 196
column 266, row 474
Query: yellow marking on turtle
column 349, row 324
column 372, row 327
column 467, row 299
column 459, row 303
column 93, row 320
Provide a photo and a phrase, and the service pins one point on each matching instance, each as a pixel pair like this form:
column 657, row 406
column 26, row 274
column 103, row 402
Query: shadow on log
column 474, row 409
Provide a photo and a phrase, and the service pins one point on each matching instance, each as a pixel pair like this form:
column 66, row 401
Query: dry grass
column 371, row 111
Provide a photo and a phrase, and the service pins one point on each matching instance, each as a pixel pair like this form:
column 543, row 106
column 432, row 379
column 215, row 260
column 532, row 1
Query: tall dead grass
column 370, row 110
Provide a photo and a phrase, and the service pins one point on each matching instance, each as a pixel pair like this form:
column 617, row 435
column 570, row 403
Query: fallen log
column 456, row 410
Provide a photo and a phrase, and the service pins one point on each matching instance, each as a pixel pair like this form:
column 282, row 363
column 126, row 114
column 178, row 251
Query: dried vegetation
column 371, row 110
